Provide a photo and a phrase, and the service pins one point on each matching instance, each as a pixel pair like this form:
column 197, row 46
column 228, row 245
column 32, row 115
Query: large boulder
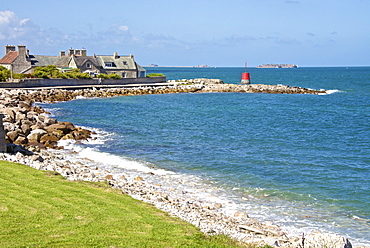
column 21, row 140
column 49, row 140
column 12, row 135
column 9, row 115
column 35, row 135
column 46, row 120
column 26, row 127
column 64, row 127
column 8, row 126
column 20, row 117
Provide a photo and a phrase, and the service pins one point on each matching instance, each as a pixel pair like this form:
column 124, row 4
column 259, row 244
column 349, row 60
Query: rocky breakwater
column 25, row 125
column 260, row 88
column 217, row 85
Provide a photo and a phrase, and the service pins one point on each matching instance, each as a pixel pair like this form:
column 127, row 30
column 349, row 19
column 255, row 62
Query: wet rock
column 139, row 179
column 241, row 215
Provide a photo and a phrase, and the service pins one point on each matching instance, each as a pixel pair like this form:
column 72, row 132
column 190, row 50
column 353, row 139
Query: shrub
column 114, row 76
column 102, row 75
column 19, row 76
column 155, row 75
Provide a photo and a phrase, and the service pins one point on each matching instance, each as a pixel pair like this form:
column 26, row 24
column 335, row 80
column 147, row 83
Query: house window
column 88, row 65
column 108, row 64
column 124, row 63
column 123, row 74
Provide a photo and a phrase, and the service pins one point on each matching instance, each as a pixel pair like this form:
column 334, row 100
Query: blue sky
column 194, row 32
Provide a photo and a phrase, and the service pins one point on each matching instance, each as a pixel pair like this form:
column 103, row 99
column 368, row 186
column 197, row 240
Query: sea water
column 301, row 161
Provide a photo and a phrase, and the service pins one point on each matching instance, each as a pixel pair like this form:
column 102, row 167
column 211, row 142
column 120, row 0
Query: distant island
column 194, row 66
column 277, row 66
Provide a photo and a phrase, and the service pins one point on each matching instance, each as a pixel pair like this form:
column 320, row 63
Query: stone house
column 22, row 62
column 16, row 61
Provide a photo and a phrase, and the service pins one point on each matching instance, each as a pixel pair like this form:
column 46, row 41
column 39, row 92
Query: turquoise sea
column 301, row 161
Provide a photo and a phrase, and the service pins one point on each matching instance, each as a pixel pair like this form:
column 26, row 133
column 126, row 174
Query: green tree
column 103, row 76
column 75, row 73
column 4, row 74
column 19, row 76
column 50, row 71
column 114, row 76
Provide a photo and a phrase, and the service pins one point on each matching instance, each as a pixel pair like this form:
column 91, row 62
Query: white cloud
column 123, row 28
column 24, row 21
column 12, row 27
column 6, row 17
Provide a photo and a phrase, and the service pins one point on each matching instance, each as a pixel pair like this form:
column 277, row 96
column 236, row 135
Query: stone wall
column 56, row 82
column 2, row 135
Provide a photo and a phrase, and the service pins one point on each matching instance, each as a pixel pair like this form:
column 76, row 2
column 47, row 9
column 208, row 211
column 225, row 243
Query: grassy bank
column 42, row 209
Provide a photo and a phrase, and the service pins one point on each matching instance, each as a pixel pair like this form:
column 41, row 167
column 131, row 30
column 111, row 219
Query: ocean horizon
column 300, row 161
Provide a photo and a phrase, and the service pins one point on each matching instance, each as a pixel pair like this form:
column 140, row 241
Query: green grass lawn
column 42, row 209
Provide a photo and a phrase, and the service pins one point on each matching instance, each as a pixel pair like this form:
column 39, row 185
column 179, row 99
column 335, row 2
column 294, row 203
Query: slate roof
column 81, row 60
column 40, row 60
column 62, row 62
column 140, row 68
column 120, row 62
column 9, row 57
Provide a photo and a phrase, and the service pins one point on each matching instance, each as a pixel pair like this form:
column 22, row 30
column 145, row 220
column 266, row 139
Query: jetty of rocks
column 28, row 132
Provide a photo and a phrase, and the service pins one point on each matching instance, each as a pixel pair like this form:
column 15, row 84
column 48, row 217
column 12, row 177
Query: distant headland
column 277, row 66
column 191, row 66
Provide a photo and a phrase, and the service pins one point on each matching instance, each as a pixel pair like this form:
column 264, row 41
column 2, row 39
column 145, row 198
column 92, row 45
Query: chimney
column 131, row 56
column 115, row 55
column 71, row 52
column 77, row 52
column 9, row 49
column 83, row 52
column 62, row 53
column 22, row 51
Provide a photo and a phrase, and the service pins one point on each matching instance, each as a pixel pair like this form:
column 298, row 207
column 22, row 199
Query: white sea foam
column 328, row 92
column 81, row 97
column 108, row 161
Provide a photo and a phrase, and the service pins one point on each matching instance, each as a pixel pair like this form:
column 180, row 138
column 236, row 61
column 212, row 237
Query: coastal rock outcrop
column 24, row 124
